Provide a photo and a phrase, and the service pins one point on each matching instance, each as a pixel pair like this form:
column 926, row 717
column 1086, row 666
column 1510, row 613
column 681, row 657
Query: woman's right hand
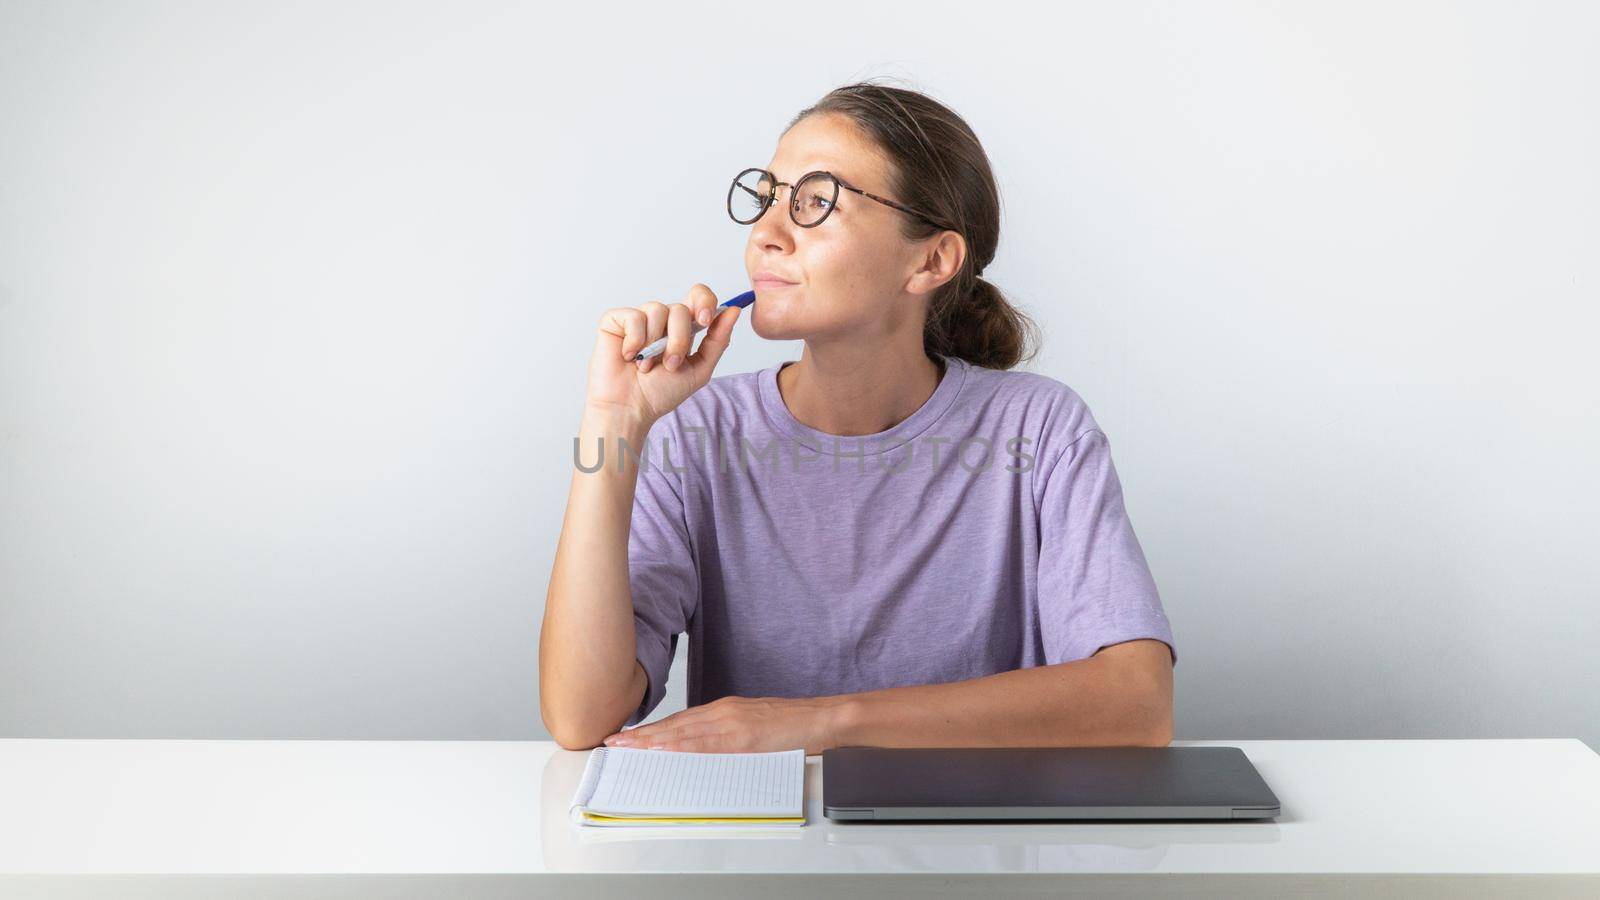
column 652, row 388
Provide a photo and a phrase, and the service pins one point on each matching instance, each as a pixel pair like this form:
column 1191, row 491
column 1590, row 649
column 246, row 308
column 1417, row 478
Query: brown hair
column 938, row 166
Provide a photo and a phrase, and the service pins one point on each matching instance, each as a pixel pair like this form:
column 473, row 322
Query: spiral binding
column 591, row 777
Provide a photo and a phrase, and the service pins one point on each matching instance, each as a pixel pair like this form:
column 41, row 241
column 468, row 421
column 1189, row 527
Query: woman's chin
column 775, row 322
column 770, row 332
column 787, row 320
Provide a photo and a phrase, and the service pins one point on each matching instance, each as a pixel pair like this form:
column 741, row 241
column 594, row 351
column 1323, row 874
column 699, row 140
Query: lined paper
column 626, row 781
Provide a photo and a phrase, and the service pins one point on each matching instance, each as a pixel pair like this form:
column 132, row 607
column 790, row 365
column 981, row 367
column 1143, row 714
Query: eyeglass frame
column 772, row 198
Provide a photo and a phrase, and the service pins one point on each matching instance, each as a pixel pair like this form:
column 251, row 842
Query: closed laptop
column 1042, row 783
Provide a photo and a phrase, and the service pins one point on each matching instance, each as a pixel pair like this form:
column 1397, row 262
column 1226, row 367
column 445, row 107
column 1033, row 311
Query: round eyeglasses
column 811, row 199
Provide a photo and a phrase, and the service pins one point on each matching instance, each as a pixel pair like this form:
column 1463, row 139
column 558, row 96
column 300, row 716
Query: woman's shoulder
column 1046, row 406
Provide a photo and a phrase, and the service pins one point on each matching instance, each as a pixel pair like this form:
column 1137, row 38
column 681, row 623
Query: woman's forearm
column 589, row 678
column 1105, row 700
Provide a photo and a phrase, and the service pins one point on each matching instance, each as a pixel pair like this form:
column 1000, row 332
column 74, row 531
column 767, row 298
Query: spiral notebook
column 626, row 786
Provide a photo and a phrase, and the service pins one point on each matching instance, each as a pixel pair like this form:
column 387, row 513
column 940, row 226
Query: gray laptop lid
column 982, row 783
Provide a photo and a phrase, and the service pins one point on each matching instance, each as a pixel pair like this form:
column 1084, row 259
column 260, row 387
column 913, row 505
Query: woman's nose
column 773, row 226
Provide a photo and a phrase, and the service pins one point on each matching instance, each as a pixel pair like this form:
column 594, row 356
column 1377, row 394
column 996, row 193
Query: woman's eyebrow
column 836, row 173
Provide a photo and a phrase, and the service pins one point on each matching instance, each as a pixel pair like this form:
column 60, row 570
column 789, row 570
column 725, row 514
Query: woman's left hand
column 741, row 725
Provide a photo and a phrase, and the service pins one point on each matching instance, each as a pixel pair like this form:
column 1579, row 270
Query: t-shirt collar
column 955, row 376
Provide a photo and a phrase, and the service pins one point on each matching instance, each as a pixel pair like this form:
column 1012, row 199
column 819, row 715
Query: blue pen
column 659, row 345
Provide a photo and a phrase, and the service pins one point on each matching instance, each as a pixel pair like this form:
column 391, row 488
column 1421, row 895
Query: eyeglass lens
column 810, row 201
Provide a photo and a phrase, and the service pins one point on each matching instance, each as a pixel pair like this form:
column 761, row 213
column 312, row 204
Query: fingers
column 655, row 315
column 702, row 304
column 635, row 328
column 699, row 308
column 680, row 332
column 668, row 739
column 629, row 325
column 639, row 735
column 676, row 720
column 672, row 736
column 717, row 338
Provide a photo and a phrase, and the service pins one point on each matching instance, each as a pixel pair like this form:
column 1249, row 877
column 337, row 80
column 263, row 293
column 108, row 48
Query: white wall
column 295, row 307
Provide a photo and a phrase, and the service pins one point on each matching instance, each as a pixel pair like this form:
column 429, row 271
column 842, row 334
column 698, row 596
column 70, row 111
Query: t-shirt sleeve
column 1095, row 587
column 662, row 572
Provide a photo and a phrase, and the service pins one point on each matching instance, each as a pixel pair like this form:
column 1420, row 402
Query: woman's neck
column 858, row 390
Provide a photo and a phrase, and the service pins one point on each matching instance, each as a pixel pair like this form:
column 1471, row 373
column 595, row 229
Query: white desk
column 462, row 818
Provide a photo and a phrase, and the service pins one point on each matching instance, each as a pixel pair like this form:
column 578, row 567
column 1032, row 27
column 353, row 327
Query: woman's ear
column 942, row 257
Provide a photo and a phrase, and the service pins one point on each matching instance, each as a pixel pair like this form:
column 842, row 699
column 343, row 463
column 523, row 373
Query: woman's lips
column 766, row 283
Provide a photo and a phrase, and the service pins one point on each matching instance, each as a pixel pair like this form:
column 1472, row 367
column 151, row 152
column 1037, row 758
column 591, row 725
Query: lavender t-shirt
column 984, row 533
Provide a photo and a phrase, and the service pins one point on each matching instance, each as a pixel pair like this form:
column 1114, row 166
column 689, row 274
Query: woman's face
column 850, row 272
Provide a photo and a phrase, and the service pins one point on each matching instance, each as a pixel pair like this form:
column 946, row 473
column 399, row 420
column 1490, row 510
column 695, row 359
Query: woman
column 893, row 541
